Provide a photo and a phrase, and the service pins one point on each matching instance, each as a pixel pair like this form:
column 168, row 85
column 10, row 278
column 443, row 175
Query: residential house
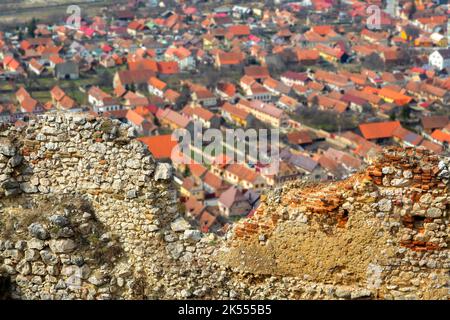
column 166, row 68
column 431, row 123
column 172, row 97
column 27, row 103
column 36, row 67
column 226, row 91
column 406, row 137
column 156, row 87
column 128, row 79
column 204, row 97
column 379, row 131
column 287, row 103
column 172, row 119
column 233, row 202
column 213, row 184
column 257, row 91
column 441, row 137
column 201, row 115
column 333, row 55
column 234, row 114
column 265, row 112
column 57, row 94
column 307, row 57
column 257, row 73
column 67, row 71
column 12, row 65
column 102, row 101
column 286, row 172
column 392, row 96
column 276, row 87
column 290, row 78
column 440, row 59
column 238, row 174
column 306, row 167
column 68, row 104
column 229, row 60
column 190, row 188
column 132, row 100
column 182, row 56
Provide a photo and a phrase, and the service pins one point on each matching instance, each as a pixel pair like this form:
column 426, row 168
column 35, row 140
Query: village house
column 67, row 71
column 214, row 185
column 290, row 78
column 333, row 55
column 36, row 67
column 440, row 59
column 132, row 100
column 431, row 123
column 257, row 91
column 12, row 65
column 239, row 174
column 307, row 57
column 276, row 87
column 287, row 103
column 266, row 112
column 156, row 87
column 229, row 60
column 172, row 119
column 226, row 91
column 257, row 73
column 206, row 118
column 190, row 188
column 68, row 104
column 182, row 56
column 307, row 168
column 379, row 132
column 235, row 115
column 233, row 202
column 172, row 97
column 27, row 103
column 286, row 172
column 167, row 68
column 204, row 97
column 128, row 79
column 57, row 94
column 392, row 96
column 406, row 137
column 102, row 101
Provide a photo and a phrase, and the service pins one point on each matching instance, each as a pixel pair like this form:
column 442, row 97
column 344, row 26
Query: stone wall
column 85, row 212
column 386, row 228
column 83, row 168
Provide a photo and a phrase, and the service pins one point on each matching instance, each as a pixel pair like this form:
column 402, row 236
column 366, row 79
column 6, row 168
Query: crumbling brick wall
column 401, row 201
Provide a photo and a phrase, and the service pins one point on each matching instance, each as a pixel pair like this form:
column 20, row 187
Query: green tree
column 32, row 26
column 105, row 78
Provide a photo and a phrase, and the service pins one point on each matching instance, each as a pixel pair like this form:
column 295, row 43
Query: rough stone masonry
column 86, row 213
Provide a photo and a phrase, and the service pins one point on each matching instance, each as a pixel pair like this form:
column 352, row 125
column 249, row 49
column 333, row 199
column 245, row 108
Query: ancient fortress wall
column 386, row 228
column 85, row 212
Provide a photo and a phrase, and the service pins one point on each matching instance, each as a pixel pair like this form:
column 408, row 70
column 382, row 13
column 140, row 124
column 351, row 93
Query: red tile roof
column 156, row 83
column 379, row 130
column 441, row 136
column 242, row 172
column 161, row 146
column 135, row 118
column 168, row 67
column 239, row 30
column 143, row 64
